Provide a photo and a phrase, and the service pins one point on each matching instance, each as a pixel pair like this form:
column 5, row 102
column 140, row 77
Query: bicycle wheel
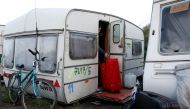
column 45, row 98
column 13, row 87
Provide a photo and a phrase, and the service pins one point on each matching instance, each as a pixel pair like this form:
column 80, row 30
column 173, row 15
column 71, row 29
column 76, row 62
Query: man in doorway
column 102, row 55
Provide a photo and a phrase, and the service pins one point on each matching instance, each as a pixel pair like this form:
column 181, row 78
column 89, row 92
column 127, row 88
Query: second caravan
column 70, row 38
column 1, row 39
column 168, row 48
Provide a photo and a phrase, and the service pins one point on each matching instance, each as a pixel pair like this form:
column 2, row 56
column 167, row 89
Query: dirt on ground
column 87, row 103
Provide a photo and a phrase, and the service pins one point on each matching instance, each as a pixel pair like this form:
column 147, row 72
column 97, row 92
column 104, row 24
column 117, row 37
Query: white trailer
column 70, row 39
column 168, row 46
column 1, row 38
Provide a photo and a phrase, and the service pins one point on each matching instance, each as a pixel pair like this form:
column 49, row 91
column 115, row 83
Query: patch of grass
column 35, row 101
column 77, row 103
column 4, row 96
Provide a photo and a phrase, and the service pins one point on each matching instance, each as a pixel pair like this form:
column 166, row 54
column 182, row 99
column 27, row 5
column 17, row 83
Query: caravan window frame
column 14, row 37
column 160, row 29
column 13, row 54
column 22, row 39
column 84, row 35
column 116, row 42
column 141, row 47
column 57, row 40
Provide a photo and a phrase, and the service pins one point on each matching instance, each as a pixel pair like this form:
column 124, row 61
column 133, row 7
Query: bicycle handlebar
column 36, row 51
column 31, row 52
column 35, row 54
column 43, row 59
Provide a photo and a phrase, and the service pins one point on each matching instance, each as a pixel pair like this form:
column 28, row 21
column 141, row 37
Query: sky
column 135, row 11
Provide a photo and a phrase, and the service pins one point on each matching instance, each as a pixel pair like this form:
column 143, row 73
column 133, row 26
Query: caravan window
column 48, row 48
column 82, row 46
column 116, row 33
column 8, row 52
column 175, row 35
column 136, row 48
column 22, row 55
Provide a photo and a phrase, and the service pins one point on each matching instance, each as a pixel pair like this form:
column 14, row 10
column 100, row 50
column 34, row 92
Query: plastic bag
column 129, row 80
column 133, row 94
column 183, row 85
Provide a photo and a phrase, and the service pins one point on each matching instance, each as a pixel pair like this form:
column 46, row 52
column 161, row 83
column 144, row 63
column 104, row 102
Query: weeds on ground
column 4, row 97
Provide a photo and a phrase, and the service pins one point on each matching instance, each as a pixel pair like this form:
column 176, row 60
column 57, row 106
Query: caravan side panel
column 133, row 32
column 115, row 51
column 1, row 38
column 81, row 73
column 133, row 63
column 82, row 21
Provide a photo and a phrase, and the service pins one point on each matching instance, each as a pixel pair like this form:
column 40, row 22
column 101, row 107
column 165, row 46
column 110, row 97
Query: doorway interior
column 103, row 48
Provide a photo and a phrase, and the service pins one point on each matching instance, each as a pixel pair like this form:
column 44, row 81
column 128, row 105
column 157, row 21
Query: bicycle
column 31, row 90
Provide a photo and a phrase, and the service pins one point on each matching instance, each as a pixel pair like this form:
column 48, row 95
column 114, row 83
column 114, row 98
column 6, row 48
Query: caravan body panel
column 159, row 76
column 133, row 63
column 75, row 68
column 2, row 27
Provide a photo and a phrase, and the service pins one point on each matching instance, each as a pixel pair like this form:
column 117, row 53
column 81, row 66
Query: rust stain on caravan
column 179, row 7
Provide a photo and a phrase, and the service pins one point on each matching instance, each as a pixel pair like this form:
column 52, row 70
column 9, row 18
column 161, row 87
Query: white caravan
column 70, row 39
column 168, row 46
column 1, row 38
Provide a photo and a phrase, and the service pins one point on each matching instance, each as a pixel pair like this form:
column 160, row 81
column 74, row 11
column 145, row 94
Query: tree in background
column 146, row 35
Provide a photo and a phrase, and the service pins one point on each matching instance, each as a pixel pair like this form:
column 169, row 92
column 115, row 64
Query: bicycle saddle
column 20, row 66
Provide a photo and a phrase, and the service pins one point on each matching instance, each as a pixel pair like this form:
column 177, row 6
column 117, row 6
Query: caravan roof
column 155, row 1
column 47, row 19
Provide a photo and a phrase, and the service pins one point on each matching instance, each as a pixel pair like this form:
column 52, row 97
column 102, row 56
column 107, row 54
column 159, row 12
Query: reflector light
column 56, row 84
column 6, row 74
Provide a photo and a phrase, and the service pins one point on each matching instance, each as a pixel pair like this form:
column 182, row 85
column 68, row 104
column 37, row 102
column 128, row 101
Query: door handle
column 58, row 67
column 121, row 45
column 165, row 71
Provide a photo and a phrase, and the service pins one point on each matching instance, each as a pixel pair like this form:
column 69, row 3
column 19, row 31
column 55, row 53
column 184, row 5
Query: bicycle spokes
column 44, row 98
column 14, row 88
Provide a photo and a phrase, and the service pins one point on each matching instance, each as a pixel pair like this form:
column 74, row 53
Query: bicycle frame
column 31, row 76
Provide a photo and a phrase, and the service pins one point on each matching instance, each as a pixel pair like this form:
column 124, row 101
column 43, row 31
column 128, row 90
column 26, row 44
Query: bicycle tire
column 42, row 100
column 13, row 87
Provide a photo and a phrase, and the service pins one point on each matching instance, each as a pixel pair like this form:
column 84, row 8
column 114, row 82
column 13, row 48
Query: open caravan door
column 117, row 41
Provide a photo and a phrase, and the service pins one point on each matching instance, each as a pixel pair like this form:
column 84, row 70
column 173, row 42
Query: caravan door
column 117, row 41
